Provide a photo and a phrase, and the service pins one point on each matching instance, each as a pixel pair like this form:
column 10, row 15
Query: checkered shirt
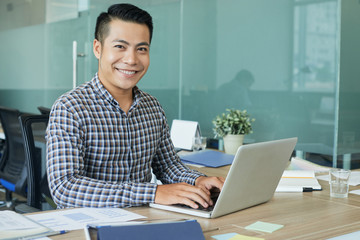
column 99, row 156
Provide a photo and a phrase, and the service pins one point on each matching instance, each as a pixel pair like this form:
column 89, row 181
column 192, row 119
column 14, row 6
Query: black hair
column 123, row 11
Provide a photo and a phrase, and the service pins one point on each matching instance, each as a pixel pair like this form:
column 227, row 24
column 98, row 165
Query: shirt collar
column 104, row 93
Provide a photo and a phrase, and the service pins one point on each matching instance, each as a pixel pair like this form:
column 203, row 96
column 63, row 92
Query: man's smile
column 127, row 72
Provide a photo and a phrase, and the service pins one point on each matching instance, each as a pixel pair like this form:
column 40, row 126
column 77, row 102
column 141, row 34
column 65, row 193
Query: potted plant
column 232, row 127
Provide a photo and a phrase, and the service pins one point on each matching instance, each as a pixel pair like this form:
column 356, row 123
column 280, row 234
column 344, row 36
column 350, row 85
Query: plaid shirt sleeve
column 67, row 169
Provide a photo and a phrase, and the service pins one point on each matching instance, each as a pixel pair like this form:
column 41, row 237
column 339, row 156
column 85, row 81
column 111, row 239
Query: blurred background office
column 299, row 60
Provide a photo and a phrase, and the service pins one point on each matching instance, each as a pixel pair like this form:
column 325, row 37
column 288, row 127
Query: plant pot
column 232, row 143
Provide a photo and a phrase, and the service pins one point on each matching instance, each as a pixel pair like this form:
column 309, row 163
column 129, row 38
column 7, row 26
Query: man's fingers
column 184, row 194
column 210, row 183
column 195, row 194
column 196, row 199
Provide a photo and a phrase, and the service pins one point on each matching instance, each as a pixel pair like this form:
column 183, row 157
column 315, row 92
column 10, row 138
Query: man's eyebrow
column 127, row 43
column 143, row 43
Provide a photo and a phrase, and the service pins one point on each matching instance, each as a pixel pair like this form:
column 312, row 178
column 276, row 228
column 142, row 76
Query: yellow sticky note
column 242, row 237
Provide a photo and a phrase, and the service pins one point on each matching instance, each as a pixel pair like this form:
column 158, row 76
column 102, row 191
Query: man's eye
column 119, row 46
column 143, row 50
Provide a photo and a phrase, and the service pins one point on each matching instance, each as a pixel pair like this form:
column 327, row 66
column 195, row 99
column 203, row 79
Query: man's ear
column 97, row 48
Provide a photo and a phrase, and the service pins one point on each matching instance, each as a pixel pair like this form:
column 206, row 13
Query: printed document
column 78, row 218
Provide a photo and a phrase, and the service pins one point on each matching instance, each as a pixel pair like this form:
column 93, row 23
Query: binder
column 188, row 229
column 208, row 158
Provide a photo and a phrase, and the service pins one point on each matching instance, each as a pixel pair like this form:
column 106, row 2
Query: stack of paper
column 16, row 226
column 298, row 181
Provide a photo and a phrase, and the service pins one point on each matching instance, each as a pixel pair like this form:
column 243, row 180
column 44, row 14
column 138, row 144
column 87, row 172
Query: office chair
column 44, row 110
column 13, row 172
column 34, row 129
column 2, row 151
column 2, row 157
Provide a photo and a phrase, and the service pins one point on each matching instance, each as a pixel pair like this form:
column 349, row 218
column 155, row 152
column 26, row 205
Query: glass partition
column 37, row 59
column 281, row 60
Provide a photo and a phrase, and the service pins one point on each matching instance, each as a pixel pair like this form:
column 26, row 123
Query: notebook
column 179, row 230
column 252, row 179
column 298, row 181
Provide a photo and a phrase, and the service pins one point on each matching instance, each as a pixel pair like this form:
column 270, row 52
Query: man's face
column 123, row 56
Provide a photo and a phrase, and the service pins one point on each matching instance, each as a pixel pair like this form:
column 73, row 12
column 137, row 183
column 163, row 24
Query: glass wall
column 281, row 60
column 37, row 56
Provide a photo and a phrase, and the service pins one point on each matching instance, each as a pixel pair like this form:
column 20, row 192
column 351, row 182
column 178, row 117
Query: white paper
column 297, row 180
column 349, row 236
column 357, row 192
column 10, row 220
column 354, row 179
column 302, row 164
column 78, row 218
column 182, row 133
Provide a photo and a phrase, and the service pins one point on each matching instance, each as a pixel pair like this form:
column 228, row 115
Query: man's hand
column 211, row 184
column 187, row 194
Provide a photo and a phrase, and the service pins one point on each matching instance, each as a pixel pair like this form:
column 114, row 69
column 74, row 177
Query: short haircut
column 124, row 11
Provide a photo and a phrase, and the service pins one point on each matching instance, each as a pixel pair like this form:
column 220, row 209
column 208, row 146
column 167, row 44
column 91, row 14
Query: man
column 105, row 137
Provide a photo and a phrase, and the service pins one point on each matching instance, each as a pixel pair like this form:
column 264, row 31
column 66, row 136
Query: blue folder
column 208, row 158
column 189, row 230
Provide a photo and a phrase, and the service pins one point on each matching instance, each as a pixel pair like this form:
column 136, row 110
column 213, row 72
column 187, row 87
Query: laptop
column 252, row 179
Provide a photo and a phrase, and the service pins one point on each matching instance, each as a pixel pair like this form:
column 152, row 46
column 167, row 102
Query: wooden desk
column 311, row 215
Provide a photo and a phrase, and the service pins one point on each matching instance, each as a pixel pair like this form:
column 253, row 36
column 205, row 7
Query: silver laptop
column 252, row 178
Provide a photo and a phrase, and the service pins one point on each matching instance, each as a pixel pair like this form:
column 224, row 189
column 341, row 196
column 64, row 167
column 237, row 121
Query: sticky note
column 225, row 236
column 264, row 227
column 242, row 237
column 234, row 236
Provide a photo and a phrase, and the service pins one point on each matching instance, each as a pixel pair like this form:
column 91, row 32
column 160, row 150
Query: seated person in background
column 105, row 136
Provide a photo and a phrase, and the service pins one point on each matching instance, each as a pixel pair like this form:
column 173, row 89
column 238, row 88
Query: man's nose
column 130, row 57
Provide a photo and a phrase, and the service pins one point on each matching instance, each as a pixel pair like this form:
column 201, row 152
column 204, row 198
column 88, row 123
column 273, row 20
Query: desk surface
column 311, row 215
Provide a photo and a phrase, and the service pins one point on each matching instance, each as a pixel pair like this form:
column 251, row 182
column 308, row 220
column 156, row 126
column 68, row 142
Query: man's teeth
column 127, row 72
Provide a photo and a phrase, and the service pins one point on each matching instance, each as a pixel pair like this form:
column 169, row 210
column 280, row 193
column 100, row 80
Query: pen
column 58, row 232
column 307, row 189
column 210, row 230
column 310, row 189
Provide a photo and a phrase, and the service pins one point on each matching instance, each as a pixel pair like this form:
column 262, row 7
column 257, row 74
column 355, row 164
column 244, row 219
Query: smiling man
column 106, row 137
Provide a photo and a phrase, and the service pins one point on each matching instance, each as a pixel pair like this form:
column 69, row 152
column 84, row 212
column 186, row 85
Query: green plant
column 232, row 122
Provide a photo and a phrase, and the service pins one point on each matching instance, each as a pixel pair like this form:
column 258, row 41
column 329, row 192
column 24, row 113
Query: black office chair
column 13, row 172
column 44, row 110
column 34, row 129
